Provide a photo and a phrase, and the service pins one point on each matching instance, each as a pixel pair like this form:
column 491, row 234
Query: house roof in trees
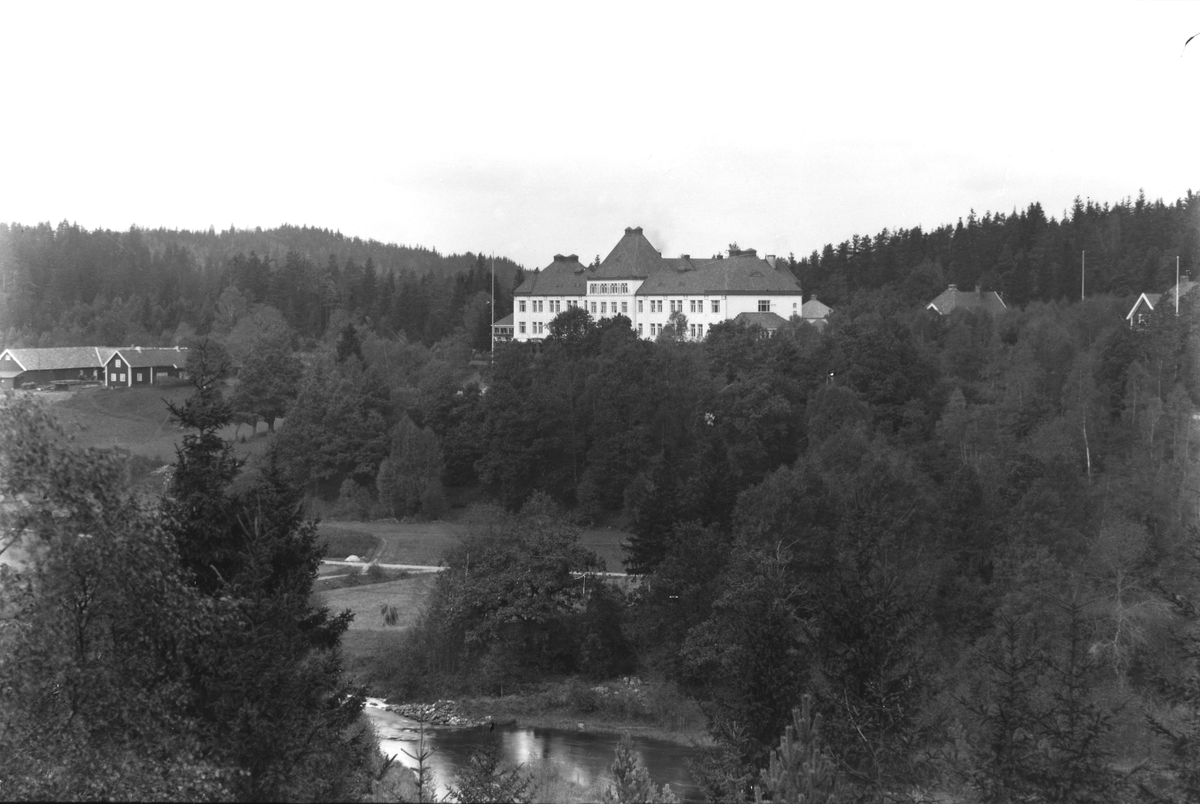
column 768, row 321
column 1151, row 301
column 742, row 273
column 143, row 356
column 952, row 299
column 565, row 276
column 1146, row 300
column 813, row 310
column 631, row 258
column 60, row 357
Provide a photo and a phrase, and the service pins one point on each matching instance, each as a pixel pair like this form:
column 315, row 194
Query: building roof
column 815, row 310
column 768, row 321
column 952, row 299
column 744, row 273
column 631, row 258
column 61, row 357
column 507, row 321
column 144, row 356
column 565, row 276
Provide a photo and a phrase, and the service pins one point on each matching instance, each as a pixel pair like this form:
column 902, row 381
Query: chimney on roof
column 770, row 260
column 559, row 258
column 953, row 286
column 572, row 258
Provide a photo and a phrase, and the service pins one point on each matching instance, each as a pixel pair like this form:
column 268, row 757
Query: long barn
column 114, row 366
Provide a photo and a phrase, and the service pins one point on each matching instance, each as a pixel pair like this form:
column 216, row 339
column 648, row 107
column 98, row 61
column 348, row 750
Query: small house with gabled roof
column 1147, row 303
column 952, row 299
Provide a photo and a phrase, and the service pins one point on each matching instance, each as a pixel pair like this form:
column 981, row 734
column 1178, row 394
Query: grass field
column 407, row 595
column 421, row 543
column 135, row 419
column 606, row 543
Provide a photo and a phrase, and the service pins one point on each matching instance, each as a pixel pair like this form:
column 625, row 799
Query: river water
column 579, row 756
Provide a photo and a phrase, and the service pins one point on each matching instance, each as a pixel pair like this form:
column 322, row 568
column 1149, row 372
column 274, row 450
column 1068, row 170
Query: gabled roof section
column 143, row 356
column 566, row 276
column 952, row 298
column 61, row 357
column 744, row 273
column 631, row 258
column 1147, row 300
column 507, row 321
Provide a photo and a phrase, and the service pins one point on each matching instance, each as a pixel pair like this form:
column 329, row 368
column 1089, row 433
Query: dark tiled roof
column 954, row 299
column 768, row 321
column 143, row 356
column 631, row 258
column 62, row 357
column 566, row 276
column 741, row 274
column 507, row 321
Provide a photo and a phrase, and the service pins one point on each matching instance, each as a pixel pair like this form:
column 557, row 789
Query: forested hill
column 64, row 284
column 1131, row 247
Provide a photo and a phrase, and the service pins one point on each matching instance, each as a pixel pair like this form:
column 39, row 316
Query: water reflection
column 580, row 757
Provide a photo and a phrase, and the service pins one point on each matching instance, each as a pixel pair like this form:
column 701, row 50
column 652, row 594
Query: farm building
column 139, row 365
column 31, row 367
column 114, row 366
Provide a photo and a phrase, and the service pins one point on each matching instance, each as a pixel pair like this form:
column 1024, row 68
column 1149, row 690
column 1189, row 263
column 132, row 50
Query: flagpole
column 1082, row 276
column 1176, row 285
column 493, row 302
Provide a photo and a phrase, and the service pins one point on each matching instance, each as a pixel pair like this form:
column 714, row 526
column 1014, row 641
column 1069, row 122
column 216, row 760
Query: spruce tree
column 267, row 673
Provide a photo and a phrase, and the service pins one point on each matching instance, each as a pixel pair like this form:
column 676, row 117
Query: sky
column 530, row 129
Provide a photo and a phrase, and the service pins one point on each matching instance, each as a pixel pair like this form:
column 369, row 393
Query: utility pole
column 1177, row 286
column 1082, row 275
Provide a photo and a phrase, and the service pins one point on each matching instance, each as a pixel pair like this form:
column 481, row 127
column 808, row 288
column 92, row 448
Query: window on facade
column 639, row 305
column 603, row 308
column 593, row 307
column 639, row 330
column 699, row 330
column 692, row 328
column 604, row 288
column 624, row 307
column 521, row 306
column 117, row 364
column 764, row 305
column 521, row 327
column 716, row 306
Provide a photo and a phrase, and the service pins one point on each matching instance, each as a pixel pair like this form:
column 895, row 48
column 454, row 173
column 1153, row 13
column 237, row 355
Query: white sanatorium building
column 636, row 281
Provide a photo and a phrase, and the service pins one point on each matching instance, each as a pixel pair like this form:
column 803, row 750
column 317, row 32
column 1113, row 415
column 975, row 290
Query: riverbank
column 651, row 709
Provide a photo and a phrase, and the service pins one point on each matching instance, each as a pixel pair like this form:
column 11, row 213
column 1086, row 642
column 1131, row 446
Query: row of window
column 535, row 328
column 541, row 305
column 607, row 287
column 656, row 306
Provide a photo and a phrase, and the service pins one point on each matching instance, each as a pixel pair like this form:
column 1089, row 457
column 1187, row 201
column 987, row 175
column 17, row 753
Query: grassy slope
column 133, row 418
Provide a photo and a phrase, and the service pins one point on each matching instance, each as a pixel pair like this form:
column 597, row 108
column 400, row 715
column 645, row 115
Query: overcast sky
column 533, row 129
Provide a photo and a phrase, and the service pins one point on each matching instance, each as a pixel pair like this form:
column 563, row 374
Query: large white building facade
column 636, row 281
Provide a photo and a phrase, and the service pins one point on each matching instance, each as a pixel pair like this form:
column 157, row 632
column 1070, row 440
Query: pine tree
column 631, row 783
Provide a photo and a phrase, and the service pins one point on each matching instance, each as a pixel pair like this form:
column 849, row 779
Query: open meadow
column 135, row 419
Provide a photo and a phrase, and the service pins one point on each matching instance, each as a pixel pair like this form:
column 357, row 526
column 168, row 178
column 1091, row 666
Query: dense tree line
column 1028, row 256
column 62, row 286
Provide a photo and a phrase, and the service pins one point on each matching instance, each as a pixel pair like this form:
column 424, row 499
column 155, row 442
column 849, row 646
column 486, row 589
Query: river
column 579, row 756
